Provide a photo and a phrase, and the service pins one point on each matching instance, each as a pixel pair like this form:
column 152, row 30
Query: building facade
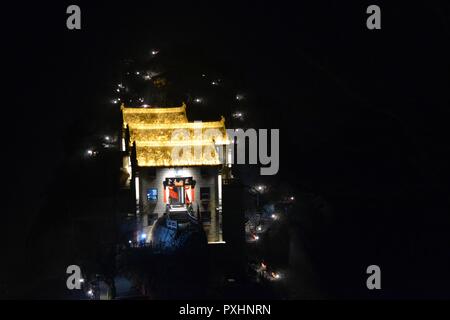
column 174, row 168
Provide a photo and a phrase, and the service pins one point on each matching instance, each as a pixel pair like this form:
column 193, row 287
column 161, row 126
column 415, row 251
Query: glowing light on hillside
column 239, row 97
column 275, row 275
column 238, row 115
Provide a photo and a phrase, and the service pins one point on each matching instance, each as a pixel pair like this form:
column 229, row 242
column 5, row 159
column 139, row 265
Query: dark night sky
column 359, row 111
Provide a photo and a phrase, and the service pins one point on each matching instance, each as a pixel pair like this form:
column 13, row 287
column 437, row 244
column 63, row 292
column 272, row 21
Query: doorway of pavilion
column 179, row 191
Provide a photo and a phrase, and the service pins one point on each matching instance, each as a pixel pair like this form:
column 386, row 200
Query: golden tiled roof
column 164, row 137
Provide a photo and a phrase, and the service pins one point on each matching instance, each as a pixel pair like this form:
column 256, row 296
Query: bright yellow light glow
column 163, row 156
column 143, row 116
column 161, row 133
column 180, row 143
column 127, row 110
column 180, row 125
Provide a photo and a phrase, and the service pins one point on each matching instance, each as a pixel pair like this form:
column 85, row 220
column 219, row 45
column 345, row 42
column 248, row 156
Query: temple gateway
column 175, row 169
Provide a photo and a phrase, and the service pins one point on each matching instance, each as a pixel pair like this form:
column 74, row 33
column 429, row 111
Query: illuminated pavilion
column 173, row 163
